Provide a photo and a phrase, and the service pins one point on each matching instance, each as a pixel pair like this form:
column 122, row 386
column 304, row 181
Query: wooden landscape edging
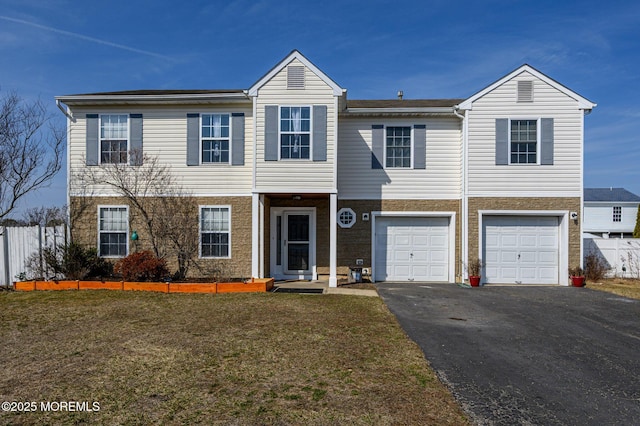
column 255, row 285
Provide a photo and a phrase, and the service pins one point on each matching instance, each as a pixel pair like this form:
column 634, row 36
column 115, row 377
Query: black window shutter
column 320, row 133
column 193, row 139
column 237, row 139
column 377, row 146
column 135, row 143
column 546, row 141
column 91, row 156
column 420, row 146
column 271, row 133
column 502, row 141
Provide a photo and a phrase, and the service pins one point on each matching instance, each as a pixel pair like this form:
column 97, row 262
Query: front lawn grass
column 620, row 286
column 242, row 359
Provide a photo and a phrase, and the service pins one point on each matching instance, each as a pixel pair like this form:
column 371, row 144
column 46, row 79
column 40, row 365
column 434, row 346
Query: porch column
column 261, row 245
column 333, row 240
column 255, row 235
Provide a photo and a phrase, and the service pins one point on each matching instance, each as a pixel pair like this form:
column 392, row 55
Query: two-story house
column 296, row 181
column 610, row 212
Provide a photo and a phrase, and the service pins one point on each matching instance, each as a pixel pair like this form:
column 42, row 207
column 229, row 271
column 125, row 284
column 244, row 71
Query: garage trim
column 563, row 234
column 391, row 214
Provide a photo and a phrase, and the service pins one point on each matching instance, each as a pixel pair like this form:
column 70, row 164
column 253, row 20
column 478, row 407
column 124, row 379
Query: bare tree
column 168, row 212
column 31, row 149
column 45, row 216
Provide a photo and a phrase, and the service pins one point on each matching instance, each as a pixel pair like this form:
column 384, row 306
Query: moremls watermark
column 47, row 406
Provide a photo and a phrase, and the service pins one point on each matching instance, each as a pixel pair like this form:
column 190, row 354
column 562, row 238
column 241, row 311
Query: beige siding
column 563, row 178
column 296, row 175
column 165, row 135
column 440, row 180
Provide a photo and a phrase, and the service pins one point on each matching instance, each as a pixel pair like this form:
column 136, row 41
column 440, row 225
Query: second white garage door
column 521, row 249
column 412, row 249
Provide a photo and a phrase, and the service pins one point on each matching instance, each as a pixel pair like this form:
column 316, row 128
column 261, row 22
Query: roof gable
column 253, row 90
column 619, row 195
column 583, row 103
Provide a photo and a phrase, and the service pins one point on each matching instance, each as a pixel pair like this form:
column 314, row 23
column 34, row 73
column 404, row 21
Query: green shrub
column 75, row 262
column 142, row 266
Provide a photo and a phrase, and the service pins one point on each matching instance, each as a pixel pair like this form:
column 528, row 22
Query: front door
column 293, row 243
column 296, row 241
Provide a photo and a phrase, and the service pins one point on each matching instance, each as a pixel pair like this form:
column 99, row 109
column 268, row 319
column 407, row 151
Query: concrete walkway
column 324, row 285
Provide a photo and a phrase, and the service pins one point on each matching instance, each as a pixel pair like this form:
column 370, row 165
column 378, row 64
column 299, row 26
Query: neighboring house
column 296, row 181
column 610, row 212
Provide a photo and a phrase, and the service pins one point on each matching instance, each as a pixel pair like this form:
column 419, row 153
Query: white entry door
column 412, row 249
column 292, row 243
column 521, row 249
column 297, row 243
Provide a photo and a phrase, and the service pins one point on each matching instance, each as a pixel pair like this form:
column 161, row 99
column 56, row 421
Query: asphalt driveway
column 528, row 355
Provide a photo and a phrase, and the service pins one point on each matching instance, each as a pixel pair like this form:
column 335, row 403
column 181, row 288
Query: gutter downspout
column 64, row 111
column 464, row 243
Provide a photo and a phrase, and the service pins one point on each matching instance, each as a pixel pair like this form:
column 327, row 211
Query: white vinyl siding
column 165, row 135
column 563, row 178
column 598, row 217
column 295, row 174
column 441, row 179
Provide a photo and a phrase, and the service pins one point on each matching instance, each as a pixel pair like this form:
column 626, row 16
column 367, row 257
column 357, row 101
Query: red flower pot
column 474, row 280
column 578, row 281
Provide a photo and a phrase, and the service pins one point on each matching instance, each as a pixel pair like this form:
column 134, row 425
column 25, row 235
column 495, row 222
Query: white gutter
column 64, row 111
column 464, row 221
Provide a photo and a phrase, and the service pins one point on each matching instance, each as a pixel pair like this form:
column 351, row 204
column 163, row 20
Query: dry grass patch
column 620, row 286
column 204, row 359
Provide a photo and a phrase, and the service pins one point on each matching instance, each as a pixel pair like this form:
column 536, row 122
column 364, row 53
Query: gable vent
column 295, row 77
column 525, row 91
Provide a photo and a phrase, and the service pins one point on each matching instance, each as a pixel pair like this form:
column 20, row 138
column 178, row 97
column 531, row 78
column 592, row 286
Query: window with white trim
column 113, row 228
column 346, row 217
column 617, row 213
column 215, row 231
column 524, row 141
column 114, row 138
column 295, row 132
column 398, row 147
column 215, row 138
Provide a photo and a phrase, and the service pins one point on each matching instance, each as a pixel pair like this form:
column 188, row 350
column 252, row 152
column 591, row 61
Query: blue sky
column 429, row 49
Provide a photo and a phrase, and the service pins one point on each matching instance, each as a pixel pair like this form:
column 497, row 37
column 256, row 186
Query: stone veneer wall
column 84, row 230
column 555, row 203
column 355, row 242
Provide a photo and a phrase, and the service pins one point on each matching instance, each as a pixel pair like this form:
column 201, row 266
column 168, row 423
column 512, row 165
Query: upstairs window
column 295, row 132
column 398, row 147
column 215, row 138
column 114, row 138
column 112, row 231
column 524, row 141
column 617, row 213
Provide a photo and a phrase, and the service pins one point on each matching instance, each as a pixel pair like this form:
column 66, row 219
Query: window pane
column 398, row 146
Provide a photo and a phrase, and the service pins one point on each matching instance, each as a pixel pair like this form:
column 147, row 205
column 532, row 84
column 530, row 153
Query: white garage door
column 521, row 249
column 412, row 249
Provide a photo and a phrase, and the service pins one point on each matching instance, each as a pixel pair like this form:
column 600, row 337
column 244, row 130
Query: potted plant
column 475, row 270
column 577, row 276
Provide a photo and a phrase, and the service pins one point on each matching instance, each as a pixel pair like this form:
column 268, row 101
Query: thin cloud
column 86, row 38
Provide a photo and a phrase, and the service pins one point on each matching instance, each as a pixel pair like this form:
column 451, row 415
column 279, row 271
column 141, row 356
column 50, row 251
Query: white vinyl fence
column 621, row 255
column 18, row 243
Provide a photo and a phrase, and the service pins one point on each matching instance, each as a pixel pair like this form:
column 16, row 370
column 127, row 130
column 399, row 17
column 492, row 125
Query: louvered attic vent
column 295, row 77
column 525, row 91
